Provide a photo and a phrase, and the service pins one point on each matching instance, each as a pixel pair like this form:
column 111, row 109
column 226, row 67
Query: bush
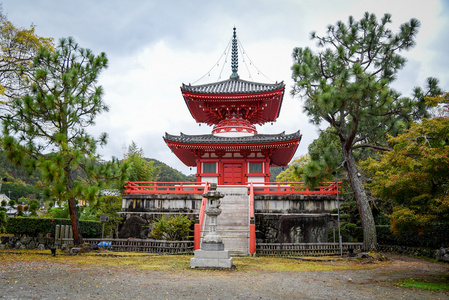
column 436, row 237
column 3, row 220
column 174, row 228
column 35, row 226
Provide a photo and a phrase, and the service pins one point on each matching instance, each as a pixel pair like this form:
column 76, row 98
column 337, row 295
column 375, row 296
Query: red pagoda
column 234, row 153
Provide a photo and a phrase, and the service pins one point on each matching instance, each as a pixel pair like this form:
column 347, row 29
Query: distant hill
column 168, row 174
column 274, row 171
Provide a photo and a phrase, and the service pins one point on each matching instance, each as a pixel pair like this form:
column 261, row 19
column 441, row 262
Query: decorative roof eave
column 232, row 86
column 248, row 141
column 233, row 146
column 283, row 146
column 200, row 105
column 231, row 97
column 258, row 141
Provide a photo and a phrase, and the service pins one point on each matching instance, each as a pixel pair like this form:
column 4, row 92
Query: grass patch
column 435, row 284
column 180, row 263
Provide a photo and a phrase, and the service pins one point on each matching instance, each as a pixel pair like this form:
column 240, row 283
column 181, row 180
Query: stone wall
column 295, row 204
column 292, row 228
column 279, row 218
column 162, row 203
column 15, row 242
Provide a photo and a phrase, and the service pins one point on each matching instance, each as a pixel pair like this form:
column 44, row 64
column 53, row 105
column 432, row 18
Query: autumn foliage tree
column 18, row 47
column 294, row 171
column 347, row 84
column 415, row 176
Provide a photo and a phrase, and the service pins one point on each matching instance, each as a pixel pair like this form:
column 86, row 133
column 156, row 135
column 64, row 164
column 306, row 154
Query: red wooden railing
column 289, row 188
column 268, row 188
column 199, row 226
column 141, row 187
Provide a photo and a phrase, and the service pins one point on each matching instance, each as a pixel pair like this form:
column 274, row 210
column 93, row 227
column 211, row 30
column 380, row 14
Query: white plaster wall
column 211, row 179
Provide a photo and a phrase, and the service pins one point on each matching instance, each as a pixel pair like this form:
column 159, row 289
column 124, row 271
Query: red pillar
column 197, row 237
column 252, row 238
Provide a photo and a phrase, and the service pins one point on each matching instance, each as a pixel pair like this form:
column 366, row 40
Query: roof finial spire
column 235, row 57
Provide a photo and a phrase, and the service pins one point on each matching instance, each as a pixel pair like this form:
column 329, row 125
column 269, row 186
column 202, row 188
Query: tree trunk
column 76, row 229
column 366, row 215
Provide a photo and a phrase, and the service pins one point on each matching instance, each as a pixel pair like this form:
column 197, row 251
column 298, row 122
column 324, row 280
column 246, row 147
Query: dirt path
column 50, row 280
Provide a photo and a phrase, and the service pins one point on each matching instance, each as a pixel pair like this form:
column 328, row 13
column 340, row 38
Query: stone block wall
column 292, row 228
column 279, row 218
column 15, row 242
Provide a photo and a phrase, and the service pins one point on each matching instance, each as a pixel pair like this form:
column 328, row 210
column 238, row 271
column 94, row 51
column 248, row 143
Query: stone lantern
column 212, row 253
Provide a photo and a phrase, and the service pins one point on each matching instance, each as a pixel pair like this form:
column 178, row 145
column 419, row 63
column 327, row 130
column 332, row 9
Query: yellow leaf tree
column 18, row 47
column 415, row 176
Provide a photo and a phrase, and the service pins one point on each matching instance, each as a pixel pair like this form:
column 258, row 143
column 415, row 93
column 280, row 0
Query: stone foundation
column 15, row 242
column 211, row 259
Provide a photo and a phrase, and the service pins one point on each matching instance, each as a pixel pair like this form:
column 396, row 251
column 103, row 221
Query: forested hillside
column 18, row 182
column 168, row 174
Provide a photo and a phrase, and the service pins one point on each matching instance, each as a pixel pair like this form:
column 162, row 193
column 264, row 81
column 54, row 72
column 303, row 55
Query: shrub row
column 34, row 226
column 436, row 237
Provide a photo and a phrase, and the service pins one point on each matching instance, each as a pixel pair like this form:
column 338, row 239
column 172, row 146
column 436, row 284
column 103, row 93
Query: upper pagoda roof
column 233, row 86
column 255, row 102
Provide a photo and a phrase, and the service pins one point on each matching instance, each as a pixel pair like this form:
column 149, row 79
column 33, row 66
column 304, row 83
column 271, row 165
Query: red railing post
column 197, row 237
column 252, row 225
column 198, row 227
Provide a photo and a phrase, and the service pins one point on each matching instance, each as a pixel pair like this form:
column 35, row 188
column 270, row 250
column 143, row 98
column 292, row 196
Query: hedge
column 436, row 237
column 34, row 226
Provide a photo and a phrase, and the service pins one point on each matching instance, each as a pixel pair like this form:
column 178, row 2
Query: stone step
column 233, row 222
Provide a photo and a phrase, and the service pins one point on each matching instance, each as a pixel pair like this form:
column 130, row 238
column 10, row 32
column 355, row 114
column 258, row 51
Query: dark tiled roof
column 212, row 139
column 233, row 86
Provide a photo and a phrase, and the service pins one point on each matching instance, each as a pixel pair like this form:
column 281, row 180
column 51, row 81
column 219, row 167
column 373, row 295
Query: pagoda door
column 232, row 174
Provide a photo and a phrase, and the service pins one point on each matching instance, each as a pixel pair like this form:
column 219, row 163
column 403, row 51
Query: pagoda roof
column 258, row 103
column 213, row 139
column 233, row 86
column 284, row 145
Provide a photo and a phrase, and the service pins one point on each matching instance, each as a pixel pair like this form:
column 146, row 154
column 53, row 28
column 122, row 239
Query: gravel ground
column 50, row 280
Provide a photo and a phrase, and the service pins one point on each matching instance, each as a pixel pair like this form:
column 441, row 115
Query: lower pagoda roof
column 186, row 146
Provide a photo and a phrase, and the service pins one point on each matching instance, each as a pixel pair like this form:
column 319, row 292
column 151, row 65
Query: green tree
column 174, row 228
column 3, row 221
column 63, row 100
column 111, row 206
column 4, row 202
column 415, row 176
column 34, row 206
column 294, row 171
column 347, row 85
column 139, row 168
column 18, row 47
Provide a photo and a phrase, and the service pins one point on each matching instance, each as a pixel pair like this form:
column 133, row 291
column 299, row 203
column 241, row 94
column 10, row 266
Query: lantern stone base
column 212, row 246
column 211, row 259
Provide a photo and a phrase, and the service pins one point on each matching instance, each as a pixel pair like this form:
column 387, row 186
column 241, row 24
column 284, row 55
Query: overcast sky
column 155, row 46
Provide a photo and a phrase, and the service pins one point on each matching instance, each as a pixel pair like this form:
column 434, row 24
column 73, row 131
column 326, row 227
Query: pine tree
column 46, row 127
column 347, row 85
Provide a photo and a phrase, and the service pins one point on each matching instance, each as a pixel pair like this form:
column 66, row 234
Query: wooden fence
column 138, row 245
column 187, row 247
column 305, row 249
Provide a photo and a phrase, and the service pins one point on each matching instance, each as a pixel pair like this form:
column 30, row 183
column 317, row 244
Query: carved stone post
column 212, row 253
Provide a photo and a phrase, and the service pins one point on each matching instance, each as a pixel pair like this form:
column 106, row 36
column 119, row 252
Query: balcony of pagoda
column 186, row 197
